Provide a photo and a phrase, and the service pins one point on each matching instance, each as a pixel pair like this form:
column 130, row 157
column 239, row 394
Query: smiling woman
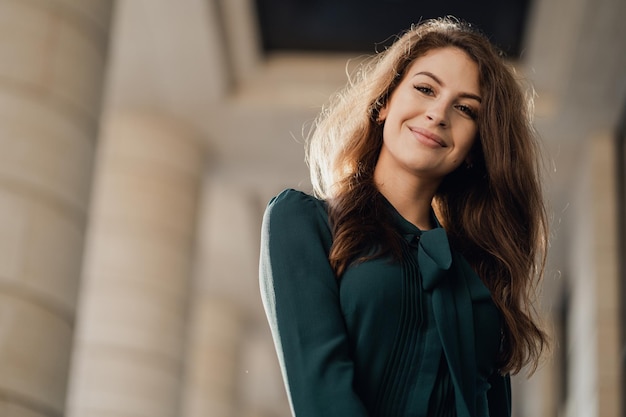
column 429, row 128
column 404, row 286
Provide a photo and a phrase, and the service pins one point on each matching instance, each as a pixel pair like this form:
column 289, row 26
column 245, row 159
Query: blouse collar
column 433, row 249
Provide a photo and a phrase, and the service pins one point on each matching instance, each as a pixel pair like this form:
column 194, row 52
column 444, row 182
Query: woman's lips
column 428, row 138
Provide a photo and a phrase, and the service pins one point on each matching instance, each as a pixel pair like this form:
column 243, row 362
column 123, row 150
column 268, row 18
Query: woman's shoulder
column 292, row 207
column 294, row 219
column 291, row 196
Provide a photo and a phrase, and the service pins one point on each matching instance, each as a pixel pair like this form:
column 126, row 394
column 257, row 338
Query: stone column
column 231, row 366
column 594, row 379
column 212, row 366
column 605, row 253
column 128, row 353
column 52, row 58
column 224, row 270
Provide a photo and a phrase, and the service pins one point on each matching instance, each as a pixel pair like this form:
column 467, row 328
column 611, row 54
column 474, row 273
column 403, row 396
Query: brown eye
column 424, row 90
column 470, row 112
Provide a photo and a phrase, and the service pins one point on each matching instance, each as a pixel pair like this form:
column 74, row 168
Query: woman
column 404, row 287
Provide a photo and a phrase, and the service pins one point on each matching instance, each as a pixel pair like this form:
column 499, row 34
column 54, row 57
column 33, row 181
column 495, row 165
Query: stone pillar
column 224, row 270
column 605, row 252
column 52, row 58
column 130, row 337
column 212, row 366
column 231, row 366
column 594, row 380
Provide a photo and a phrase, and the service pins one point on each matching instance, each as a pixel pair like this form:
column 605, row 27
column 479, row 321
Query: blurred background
column 140, row 141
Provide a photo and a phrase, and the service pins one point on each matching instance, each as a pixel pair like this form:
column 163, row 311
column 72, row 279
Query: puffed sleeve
column 301, row 299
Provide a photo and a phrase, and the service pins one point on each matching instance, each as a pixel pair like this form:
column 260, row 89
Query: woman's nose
column 437, row 113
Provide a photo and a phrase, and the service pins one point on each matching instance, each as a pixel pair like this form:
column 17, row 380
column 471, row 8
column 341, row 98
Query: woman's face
column 431, row 117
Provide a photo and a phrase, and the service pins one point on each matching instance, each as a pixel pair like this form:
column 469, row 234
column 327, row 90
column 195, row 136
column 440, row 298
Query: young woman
column 404, row 287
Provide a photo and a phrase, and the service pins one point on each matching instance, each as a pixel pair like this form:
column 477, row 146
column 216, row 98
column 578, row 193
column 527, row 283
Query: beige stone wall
column 52, row 60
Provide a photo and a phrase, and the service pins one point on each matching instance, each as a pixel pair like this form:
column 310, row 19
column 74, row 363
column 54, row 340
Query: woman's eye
column 467, row 110
column 424, row 89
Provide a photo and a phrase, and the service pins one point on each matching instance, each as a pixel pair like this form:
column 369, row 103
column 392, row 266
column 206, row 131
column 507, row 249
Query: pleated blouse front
column 384, row 303
column 390, row 338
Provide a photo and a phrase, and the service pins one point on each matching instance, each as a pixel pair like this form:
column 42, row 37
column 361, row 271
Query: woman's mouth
column 428, row 138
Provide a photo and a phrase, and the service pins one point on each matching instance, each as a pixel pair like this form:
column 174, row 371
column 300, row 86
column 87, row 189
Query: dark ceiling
column 369, row 25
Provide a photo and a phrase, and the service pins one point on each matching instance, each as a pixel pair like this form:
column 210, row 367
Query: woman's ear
column 382, row 114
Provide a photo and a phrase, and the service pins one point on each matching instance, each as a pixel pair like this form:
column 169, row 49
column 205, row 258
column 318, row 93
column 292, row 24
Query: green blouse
column 415, row 338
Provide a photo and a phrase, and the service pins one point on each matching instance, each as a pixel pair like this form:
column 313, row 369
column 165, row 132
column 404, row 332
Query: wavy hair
column 493, row 212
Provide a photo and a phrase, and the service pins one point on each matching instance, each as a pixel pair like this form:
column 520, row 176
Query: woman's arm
column 301, row 299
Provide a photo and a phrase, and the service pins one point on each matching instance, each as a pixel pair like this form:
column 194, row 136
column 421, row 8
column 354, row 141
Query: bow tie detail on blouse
column 433, row 255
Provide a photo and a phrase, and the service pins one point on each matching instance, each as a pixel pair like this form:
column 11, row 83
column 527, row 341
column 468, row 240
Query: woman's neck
column 410, row 195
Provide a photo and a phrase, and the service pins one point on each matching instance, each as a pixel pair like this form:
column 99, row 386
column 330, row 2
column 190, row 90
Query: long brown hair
column 493, row 212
